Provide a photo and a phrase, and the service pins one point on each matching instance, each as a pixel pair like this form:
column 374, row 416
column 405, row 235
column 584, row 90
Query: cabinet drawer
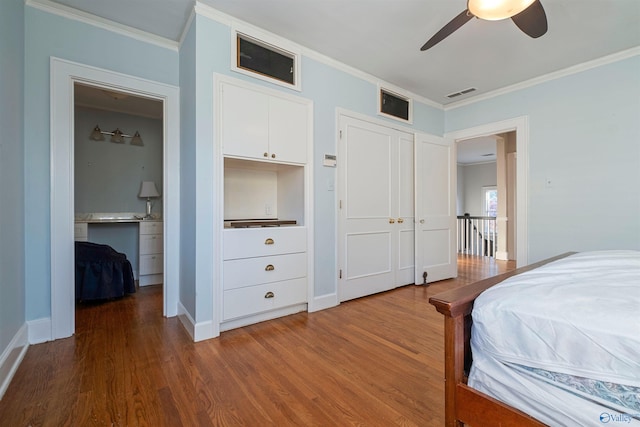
column 253, row 242
column 150, row 264
column 151, row 227
column 81, row 231
column 253, row 271
column 252, row 300
column 151, row 244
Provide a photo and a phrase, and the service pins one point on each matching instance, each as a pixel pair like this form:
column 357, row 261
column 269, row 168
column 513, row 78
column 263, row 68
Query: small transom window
column 265, row 61
column 394, row 105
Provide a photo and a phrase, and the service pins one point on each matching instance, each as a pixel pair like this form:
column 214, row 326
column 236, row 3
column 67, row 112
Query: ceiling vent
column 462, row 92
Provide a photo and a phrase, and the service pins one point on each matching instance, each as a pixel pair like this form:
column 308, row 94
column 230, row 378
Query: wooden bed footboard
column 464, row 405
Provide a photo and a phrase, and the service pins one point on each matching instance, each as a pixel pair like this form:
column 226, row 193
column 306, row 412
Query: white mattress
column 578, row 316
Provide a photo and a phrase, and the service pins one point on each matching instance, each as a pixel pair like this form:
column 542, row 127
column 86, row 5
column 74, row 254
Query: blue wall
column 327, row 87
column 12, row 169
column 584, row 137
column 188, row 173
column 49, row 35
column 108, row 175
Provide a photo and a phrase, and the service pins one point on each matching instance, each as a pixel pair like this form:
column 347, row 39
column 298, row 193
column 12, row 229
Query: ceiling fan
column 528, row 15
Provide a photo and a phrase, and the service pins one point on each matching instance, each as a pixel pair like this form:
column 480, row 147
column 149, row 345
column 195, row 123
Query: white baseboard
column 503, row 256
column 150, row 279
column 205, row 331
column 261, row 317
column 186, row 320
column 197, row 331
column 323, row 302
column 12, row 357
column 39, row 330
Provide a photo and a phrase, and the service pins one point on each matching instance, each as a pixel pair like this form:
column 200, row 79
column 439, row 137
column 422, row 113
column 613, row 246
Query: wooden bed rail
column 462, row 403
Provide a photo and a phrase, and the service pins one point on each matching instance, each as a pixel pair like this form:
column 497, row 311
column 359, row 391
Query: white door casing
column 64, row 74
column 435, row 174
column 521, row 127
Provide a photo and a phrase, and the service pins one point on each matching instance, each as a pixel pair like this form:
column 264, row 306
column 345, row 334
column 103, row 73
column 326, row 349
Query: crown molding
column 222, row 18
column 106, row 24
column 609, row 59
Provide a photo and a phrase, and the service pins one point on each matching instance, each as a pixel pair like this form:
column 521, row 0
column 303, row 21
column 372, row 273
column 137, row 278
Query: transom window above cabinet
column 266, row 57
column 258, row 125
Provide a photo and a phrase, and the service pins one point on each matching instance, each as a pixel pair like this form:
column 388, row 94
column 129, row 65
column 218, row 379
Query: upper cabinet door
column 258, row 125
column 288, row 130
column 245, row 122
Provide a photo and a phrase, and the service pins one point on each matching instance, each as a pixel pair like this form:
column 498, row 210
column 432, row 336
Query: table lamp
column 148, row 190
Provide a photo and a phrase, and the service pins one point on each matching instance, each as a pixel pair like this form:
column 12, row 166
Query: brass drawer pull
column 269, row 267
column 392, row 221
column 266, row 154
column 400, row 220
column 269, row 241
column 273, row 156
column 269, row 295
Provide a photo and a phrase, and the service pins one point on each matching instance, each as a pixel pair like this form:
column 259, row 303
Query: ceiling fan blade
column 453, row 25
column 532, row 21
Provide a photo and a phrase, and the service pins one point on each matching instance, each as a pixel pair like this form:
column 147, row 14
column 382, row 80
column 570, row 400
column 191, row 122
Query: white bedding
column 578, row 316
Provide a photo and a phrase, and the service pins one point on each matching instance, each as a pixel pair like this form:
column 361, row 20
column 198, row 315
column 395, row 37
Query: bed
column 101, row 272
column 554, row 343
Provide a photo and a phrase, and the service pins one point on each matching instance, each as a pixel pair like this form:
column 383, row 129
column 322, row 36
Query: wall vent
column 462, row 92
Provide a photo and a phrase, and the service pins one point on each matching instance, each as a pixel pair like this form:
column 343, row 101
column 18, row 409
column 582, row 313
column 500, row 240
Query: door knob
column 422, row 221
column 400, row 220
column 392, row 221
column 273, row 156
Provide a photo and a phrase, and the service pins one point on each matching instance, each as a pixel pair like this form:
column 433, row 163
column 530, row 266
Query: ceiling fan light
column 495, row 10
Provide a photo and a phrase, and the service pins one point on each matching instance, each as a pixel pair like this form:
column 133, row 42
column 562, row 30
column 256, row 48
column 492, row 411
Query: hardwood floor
column 375, row 361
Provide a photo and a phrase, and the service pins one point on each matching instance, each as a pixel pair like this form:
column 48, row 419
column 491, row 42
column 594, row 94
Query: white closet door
column 376, row 214
column 405, row 211
column 435, row 249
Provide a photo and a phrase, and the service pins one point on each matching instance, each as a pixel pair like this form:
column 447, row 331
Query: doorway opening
column 486, row 196
column 516, row 131
column 64, row 76
column 118, row 162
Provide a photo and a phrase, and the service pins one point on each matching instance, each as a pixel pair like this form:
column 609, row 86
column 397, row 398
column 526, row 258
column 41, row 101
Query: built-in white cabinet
column 265, row 139
column 151, row 257
column 264, row 269
column 80, row 231
column 263, row 126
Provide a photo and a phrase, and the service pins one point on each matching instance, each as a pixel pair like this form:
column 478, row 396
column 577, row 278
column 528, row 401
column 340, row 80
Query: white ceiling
column 92, row 97
column 476, row 150
column 383, row 37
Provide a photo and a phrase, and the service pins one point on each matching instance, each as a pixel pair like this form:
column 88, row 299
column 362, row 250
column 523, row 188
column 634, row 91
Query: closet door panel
column 404, row 210
column 368, row 225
